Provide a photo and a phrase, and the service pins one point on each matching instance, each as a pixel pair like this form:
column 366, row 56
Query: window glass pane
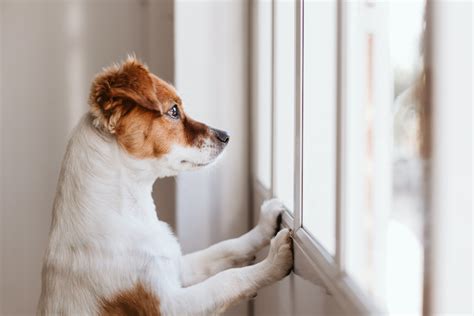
column 263, row 90
column 319, row 121
column 284, row 100
column 386, row 152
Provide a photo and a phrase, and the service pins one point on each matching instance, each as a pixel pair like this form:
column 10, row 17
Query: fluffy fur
column 108, row 252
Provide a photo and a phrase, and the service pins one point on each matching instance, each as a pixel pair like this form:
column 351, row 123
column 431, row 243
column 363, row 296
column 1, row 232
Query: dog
column 108, row 253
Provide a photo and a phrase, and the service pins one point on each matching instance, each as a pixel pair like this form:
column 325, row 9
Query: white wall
column 49, row 52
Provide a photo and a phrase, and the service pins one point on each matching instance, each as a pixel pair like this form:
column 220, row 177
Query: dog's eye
column 174, row 112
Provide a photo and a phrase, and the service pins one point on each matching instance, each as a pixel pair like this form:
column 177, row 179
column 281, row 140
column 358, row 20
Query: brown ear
column 119, row 88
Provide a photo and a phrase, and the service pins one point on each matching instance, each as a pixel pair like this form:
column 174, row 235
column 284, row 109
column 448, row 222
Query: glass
column 263, row 91
column 409, row 157
column 385, row 151
column 284, row 101
column 319, row 121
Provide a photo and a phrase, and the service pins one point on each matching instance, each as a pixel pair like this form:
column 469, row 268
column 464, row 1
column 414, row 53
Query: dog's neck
column 99, row 180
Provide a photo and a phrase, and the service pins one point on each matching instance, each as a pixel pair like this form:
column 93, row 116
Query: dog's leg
column 238, row 252
column 224, row 289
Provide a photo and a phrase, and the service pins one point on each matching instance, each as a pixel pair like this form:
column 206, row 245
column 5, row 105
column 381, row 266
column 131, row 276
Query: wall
column 50, row 51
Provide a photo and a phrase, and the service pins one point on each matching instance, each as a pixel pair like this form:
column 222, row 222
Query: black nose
column 221, row 135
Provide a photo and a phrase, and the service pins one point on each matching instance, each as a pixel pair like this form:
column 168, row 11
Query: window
column 348, row 142
column 384, row 157
column 319, row 121
column 263, row 94
column 283, row 98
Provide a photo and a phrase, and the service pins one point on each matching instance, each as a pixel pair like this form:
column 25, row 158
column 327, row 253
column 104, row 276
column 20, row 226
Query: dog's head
column 146, row 117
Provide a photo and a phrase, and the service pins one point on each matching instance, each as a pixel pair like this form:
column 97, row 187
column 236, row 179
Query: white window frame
column 312, row 261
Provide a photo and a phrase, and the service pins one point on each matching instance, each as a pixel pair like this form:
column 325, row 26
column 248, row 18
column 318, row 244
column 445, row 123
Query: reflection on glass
column 386, row 151
column 404, row 272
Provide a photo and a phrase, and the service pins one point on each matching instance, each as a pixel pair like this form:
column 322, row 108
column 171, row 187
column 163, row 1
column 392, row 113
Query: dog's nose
column 221, row 135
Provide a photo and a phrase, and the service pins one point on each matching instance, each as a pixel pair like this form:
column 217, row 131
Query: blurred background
column 357, row 114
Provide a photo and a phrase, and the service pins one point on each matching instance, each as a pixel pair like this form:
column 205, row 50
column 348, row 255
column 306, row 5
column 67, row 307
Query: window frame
column 312, row 261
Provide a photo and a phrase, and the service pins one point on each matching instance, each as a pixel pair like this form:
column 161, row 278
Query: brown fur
column 138, row 301
column 132, row 103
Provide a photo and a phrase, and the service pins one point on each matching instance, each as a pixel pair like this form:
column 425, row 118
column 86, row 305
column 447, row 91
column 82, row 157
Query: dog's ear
column 118, row 89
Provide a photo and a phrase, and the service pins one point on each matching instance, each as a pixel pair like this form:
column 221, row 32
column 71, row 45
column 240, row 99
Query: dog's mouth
column 194, row 164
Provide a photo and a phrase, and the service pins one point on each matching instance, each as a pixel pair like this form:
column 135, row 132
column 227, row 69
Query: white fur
column 105, row 237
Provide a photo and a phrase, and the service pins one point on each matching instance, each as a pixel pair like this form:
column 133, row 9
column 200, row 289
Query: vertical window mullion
column 298, row 170
column 273, row 125
column 339, row 231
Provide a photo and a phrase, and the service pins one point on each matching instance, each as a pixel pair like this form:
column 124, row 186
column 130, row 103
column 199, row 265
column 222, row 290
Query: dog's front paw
column 270, row 217
column 243, row 260
column 280, row 256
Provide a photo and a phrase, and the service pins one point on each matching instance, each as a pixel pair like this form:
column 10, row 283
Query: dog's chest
column 148, row 253
column 157, row 256
column 156, row 241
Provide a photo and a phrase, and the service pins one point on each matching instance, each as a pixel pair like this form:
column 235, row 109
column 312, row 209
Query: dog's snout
column 221, row 135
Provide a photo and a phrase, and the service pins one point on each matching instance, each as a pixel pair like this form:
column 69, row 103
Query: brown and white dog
column 108, row 252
